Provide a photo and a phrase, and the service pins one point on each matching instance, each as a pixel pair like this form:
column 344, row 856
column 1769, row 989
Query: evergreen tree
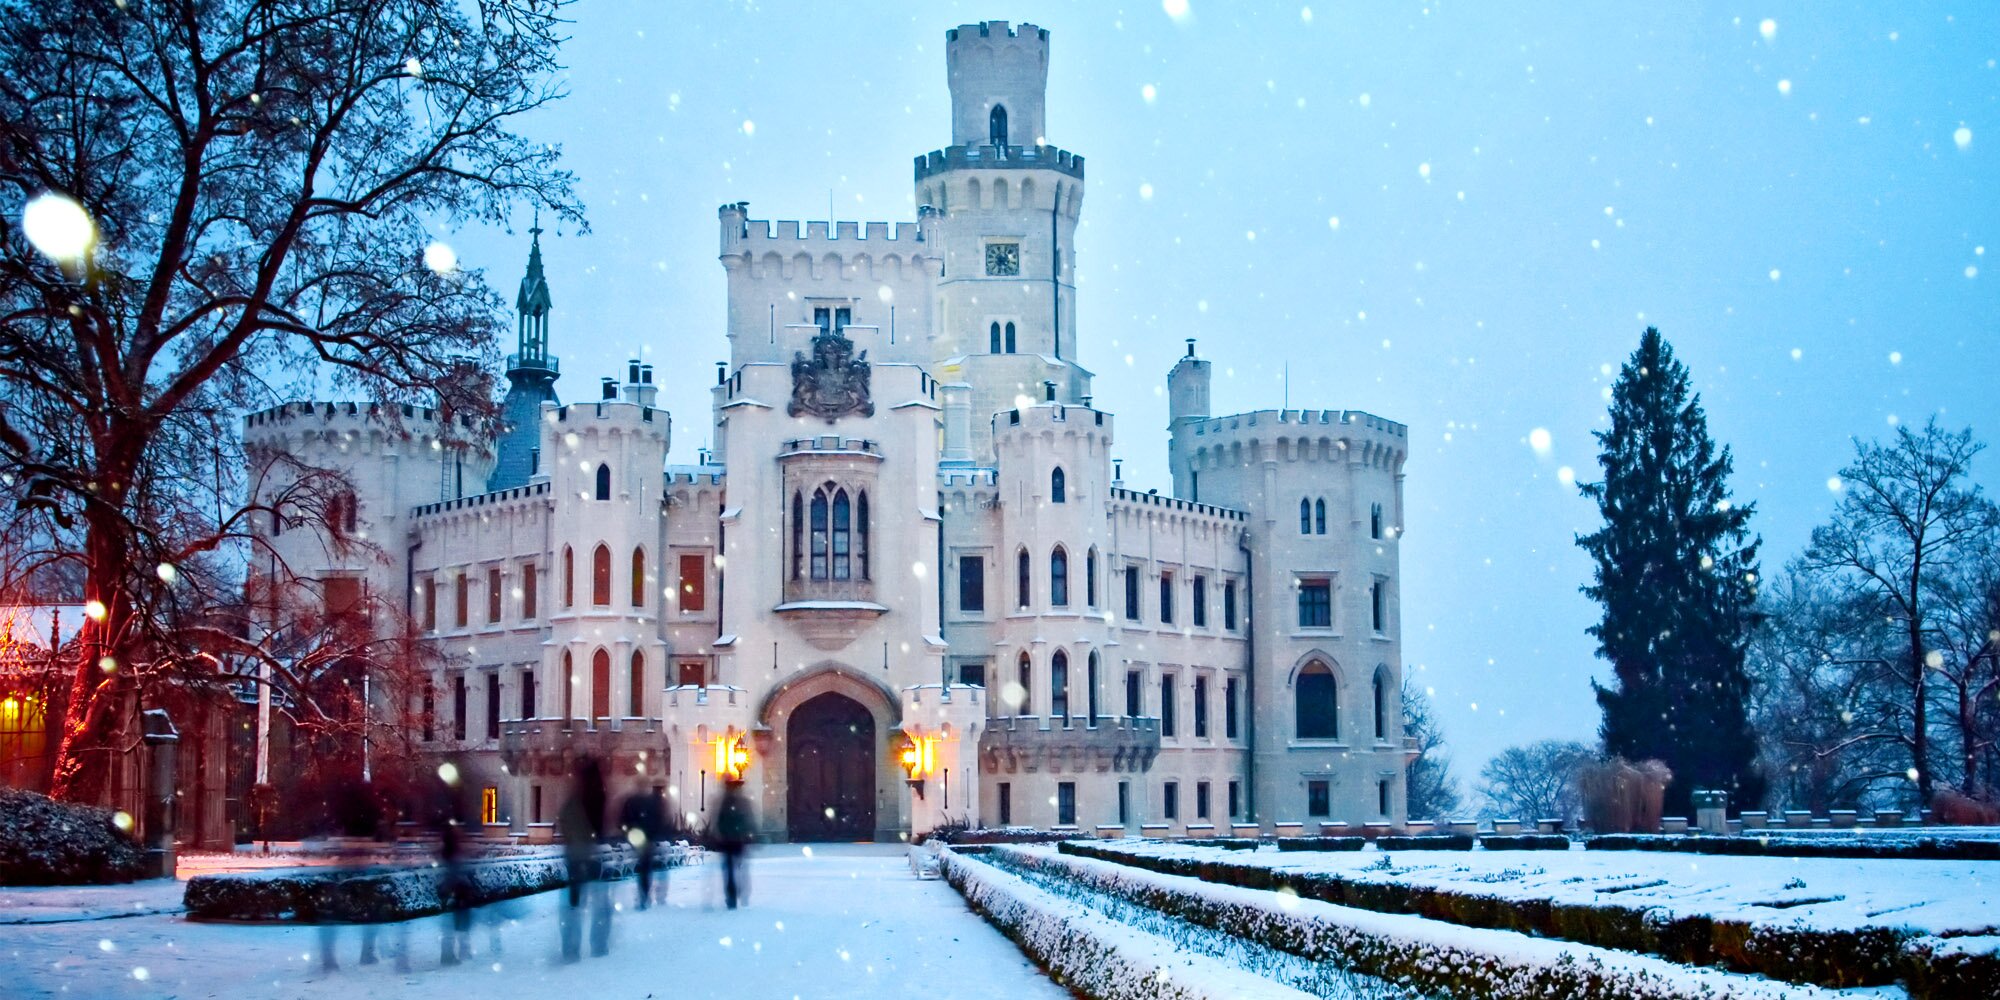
column 1676, row 573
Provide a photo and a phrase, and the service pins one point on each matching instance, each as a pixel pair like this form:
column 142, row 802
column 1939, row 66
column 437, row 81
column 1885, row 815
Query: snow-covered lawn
column 1947, row 898
column 840, row 922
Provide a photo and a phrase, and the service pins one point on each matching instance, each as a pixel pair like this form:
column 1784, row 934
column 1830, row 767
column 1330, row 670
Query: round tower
column 999, row 79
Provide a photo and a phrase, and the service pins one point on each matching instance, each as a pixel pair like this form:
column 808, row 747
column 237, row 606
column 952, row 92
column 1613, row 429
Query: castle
column 907, row 587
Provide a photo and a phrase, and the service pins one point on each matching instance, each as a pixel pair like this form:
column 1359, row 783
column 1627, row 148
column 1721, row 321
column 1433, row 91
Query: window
column 819, row 535
column 1059, row 578
column 535, row 804
column 1381, row 705
column 464, row 598
column 1201, row 800
column 493, row 704
column 459, row 707
column 430, row 712
column 1166, row 598
column 1133, row 697
column 1065, row 803
column 1016, row 270
column 569, row 687
column 1090, row 678
column 996, row 125
column 1315, row 703
column 1058, row 488
column 798, row 535
column 1201, row 708
column 1318, row 799
column 1305, row 517
column 431, row 605
column 1170, row 800
column 603, row 482
column 861, row 534
column 1006, row 803
column 1059, row 685
column 1315, row 604
column 1382, row 797
column 843, row 536
column 1167, row 705
column 971, row 583
column 600, row 684
column 492, row 596
column 529, row 586
column 1378, row 605
column 569, row 578
column 993, row 340
column 528, row 708
column 489, row 806
column 694, row 583
column 638, row 578
column 1229, row 605
column 1200, row 601
column 1235, row 800
column 1319, row 516
column 972, row 672
column 1131, row 593
column 1090, row 577
column 600, row 576
column 1021, row 581
column 1124, row 802
column 1229, row 691
column 1375, row 520
column 638, row 692
column 693, row 673
column 1025, row 675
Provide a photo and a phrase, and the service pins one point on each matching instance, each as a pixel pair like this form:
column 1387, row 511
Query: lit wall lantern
column 732, row 758
column 919, row 759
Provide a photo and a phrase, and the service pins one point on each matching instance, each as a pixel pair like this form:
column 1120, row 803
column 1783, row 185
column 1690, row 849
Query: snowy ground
column 1948, row 898
column 844, row 921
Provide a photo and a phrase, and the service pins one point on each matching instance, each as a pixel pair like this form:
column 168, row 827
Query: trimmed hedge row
column 1426, row 842
column 1779, row 846
column 1444, row 961
column 1321, row 843
column 1524, row 842
column 376, row 895
column 1088, row 953
column 1226, row 843
column 45, row 842
column 1838, row 957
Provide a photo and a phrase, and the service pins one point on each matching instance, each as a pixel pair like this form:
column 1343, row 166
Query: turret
column 531, row 375
column 1187, row 405
column 999, row 78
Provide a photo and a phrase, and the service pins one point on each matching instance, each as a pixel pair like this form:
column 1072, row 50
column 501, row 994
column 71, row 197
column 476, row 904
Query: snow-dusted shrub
column 1620, row 796
column 45, row 842
column 1525, row 842
column 1321, row 843
column 1003, row 835
column 1226, row 843
column 1426, row 842
column 1431, row 957
column 373, row 895
column 1955, row 967
column 1090, row 954
column 1861, row 846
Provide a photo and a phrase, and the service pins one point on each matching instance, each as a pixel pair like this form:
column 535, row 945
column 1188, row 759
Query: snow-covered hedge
column 1426, row 842
column 1091, row 954
column 1524, row 842
column 1777, row 845
column 1321, row 843
column 1431, row 957
column 1226, row 843
column 45, row 842
column 373, row 895
column 1844, row 956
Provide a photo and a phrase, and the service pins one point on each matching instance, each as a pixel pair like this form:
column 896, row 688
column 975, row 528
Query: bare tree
column 1432, row 789
column 263, row 178
column 1908, row 517
column 1536, row 781
column 1966, row 651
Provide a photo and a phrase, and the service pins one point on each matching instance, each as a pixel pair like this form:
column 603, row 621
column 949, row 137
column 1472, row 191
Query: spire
column 531, row 377
column 533, row 305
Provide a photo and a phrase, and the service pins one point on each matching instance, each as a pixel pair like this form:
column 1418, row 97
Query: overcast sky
column 1456, row 216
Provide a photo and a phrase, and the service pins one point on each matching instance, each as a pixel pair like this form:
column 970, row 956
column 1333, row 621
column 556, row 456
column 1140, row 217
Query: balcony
column 1068, row 744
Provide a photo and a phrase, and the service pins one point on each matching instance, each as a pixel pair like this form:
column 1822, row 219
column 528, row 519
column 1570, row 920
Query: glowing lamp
column 731, row 756
column 919, row 760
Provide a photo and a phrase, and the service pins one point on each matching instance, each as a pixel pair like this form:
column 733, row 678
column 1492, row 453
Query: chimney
column 1049, row 390
column 631, row 392
column 610, row 388
column 649, row 393
column 1118, row 473
column 721, row 372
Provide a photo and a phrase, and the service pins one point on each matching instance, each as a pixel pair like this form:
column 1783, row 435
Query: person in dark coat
column 734, row 827
column 582, row 825
column 639, row 818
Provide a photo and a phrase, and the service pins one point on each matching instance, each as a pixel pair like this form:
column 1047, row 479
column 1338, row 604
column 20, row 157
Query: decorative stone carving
column 833, row 382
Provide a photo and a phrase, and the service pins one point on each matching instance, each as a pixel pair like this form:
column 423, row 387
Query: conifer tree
column 1676, row 573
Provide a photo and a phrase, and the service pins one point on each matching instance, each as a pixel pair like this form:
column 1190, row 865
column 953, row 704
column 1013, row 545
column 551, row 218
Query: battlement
column 605, row 408
column 1040, row 157
column 1286, row 419
column 694, row 475
column 492, row 499
column 1177, row 504
column 740, row 233
column 1068, row 415
column 968, row 477
column 831, row 444
column 330, row 412
column 994, row 30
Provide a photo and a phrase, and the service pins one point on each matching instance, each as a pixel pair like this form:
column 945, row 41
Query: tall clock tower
column 1004, row 205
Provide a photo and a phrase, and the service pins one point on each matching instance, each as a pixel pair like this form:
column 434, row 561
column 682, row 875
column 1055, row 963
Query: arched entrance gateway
column 830, row 770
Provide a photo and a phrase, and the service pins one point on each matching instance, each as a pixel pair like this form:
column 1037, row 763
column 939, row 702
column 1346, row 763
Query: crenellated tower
column 1006, row 205
column 531, row 376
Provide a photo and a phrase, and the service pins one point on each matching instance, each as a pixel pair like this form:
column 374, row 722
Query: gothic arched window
column 1315, row 700
column 1381, row 703
column 1090, row 577
column 1021, row 580
column 819, row 560
column 1305, row 517
column 996, row 125
column 638, row 696
column 600, row 684
column 1058, row 486
column 603, row 482
column 993, row 339
column 843, row 536
column 1027, row 674
column 1375, row 521
column 1090, row 678
column 569, row 686
column 1059, row 685
column 1319, row 516
column 600, row 576
column 569, row 577
column 639, row 577
column 1010, row 338
column 1059, row 578
column 798, row 534
column 861, row 533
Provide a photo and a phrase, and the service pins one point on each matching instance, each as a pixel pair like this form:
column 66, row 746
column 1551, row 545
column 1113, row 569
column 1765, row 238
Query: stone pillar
column 1711, row 811
column 162, row 755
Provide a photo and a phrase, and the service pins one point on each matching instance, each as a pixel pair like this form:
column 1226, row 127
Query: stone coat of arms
column 833, row 382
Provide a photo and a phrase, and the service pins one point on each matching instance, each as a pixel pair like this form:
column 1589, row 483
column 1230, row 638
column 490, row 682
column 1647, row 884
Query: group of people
column 586, row 826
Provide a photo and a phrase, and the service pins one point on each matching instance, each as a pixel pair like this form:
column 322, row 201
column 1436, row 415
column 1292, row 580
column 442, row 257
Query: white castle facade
column 907, row 587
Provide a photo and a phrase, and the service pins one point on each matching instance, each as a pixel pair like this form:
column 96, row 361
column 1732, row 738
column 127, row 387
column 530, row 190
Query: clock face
column 1003, row 258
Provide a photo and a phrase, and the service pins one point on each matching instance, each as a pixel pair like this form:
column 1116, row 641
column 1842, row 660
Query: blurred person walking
column 640, row 819
column 582, row 824
column 734, row 826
